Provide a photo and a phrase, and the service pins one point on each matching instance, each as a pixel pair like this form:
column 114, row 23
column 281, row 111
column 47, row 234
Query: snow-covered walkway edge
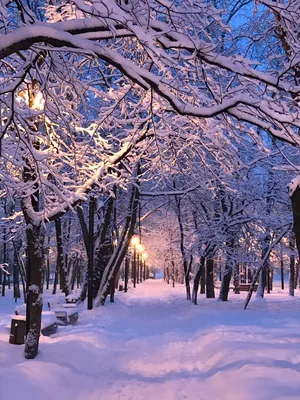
column 152, row 344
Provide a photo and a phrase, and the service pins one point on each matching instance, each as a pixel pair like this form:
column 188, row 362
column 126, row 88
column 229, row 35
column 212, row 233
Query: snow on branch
column 3, row 267
column 249, row 108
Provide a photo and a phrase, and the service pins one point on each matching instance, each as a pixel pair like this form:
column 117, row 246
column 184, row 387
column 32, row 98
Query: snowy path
column 154, row 345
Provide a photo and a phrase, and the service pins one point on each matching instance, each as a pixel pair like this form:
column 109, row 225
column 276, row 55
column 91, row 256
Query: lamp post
column 126, row 273
column 134, row 243
column 140, row 250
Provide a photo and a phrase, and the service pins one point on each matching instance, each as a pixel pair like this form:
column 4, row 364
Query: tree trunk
column 173, row 273
column 105, row 246
column 78, row 278
column 90, row 271
column 75, row 272
column 167, row 275
column 265, row 268
column 203, row 278
column 121, row 248
column 66, row 240
column 296, row 275
column 295, row 199
column 226, row 281
column 186, row 267
column 198, row 275
column 236, row 278
column 228, row 270
column 55, row 279
column 210, row 287
column 48, row 264
column 126, row 275
column 16, row 278
column 61, row 268
column 21, row 268
column 112, row 292
column 282, row 273
column 292, row 266
column 35, row 270
column 3, row 284
column 138, row 268
column 4, row 261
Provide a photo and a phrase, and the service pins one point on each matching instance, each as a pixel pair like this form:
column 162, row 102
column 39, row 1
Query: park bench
column 66, row 313
column 49, row 322
column 244, row 287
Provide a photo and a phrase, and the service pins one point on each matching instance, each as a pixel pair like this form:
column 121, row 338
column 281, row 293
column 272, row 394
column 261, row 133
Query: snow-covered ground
column 152, row 344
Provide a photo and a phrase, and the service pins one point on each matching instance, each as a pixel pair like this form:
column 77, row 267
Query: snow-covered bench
column 49, row 321
column 244, row 287
column 67, row 313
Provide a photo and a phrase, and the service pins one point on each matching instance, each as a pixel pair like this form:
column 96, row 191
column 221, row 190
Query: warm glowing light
column 36, row 103
column 144, row 256
column 140, row 248
column 135, row 241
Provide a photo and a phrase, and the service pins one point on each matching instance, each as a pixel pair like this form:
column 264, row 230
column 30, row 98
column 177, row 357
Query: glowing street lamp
column 134, row 243
column 140, row 250
column 34, row 100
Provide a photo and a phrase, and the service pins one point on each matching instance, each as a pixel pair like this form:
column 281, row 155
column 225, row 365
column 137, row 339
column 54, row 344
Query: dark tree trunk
column 35, row 242
column 91, row 253
column 74, row 272
column 203, row 278
column 168, row 275
column 121, row 248
column 186, row 266
column 127, row 261
column 138, row 268
column 78, row 277
column 141, row 269
column 173, row 273
column 236, row 278
column 295, row 199
column 210, row 287
column 85, row 235
column 296, row 275
column 67, row 230
column 282, row 273
column 228, row 271
column 105, row 247
column 112, row 292
column 48, row 264
column 3, row 284
column 4, row 261
column 20, row 265
column 262, row 282
column 16, row 278
column 265, row 268
column 226, row 281
column 55, row 279
column 292, row 266
column 134, row 267
column 84, row 229
column 198, row 275
column 258, row 271
column 60, row 258
column 269, row 279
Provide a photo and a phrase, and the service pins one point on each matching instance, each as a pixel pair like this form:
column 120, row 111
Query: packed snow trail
column 152, row 344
